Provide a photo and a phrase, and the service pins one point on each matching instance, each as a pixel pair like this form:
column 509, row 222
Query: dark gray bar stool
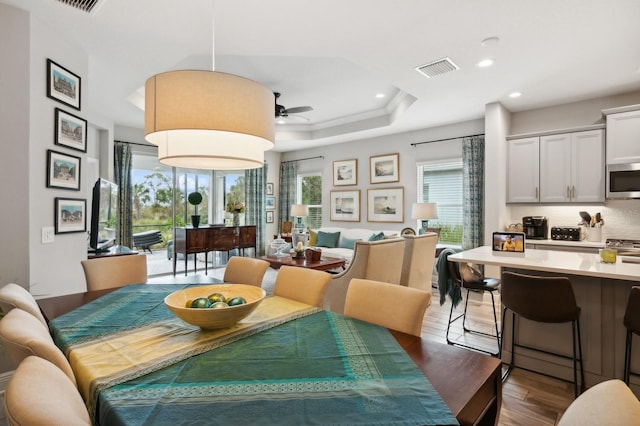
column 467, row 277
column 547, row 300
column 632, row 323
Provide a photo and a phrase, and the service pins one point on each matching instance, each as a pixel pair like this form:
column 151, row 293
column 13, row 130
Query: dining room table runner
column 317, row 368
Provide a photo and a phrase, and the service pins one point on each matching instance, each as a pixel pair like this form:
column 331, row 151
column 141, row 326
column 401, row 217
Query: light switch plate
column 47, row 235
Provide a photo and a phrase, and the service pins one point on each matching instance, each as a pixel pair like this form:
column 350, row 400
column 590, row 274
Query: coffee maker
column 535, row 227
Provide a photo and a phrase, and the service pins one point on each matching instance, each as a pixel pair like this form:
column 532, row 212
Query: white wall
column 409, row 156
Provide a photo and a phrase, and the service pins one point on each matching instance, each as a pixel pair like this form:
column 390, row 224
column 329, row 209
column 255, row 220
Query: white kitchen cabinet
column 572, row 167
column 523, row 170
column 623, row 134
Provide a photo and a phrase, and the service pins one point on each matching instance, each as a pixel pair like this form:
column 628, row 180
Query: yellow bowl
column 214, row 318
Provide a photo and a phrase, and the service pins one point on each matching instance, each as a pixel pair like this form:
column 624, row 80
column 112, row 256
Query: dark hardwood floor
column 528, row 398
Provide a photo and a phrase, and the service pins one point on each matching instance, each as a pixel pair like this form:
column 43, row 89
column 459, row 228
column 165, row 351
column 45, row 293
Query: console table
column 204, row 239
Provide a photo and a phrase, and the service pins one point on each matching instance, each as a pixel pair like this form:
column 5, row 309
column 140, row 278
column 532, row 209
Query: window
column 230, row 195
column 440, row 182
column 310, row 193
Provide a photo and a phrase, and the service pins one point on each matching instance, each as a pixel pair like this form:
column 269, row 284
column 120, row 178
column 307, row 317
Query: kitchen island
column 601, row 291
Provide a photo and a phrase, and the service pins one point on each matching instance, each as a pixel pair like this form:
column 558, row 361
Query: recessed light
column 485, row 63
column 380, row 95
column 515, row 94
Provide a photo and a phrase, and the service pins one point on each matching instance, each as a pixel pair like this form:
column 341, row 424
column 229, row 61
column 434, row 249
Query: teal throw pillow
column 328, row 239
column 377, row 237
column 348, row 243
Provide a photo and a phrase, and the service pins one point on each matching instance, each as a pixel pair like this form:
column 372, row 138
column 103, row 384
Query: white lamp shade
column 299, row 210
column 208, row 120
column 424, row 211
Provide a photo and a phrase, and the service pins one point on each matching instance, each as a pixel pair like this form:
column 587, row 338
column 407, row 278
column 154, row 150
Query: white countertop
column 562, row 262
column 565, row 243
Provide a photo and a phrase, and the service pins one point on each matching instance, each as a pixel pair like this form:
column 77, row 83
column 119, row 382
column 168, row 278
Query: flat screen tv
column 104, row 209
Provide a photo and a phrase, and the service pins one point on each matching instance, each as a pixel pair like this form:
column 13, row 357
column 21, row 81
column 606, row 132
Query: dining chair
column 471, row 279
column 114, row 271
column 23, row 335
column 546, row 300
column 245, row 270
column 15, row 296
column 304, row 285
column 608, row 403
column 631, row 322
column 390, row 305
column 38, row 393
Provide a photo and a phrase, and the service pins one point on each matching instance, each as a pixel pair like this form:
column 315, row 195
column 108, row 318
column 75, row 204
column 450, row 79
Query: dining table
column 286, row 363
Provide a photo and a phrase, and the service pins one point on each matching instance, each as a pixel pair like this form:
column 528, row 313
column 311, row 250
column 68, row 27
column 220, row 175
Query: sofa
column 344, row 245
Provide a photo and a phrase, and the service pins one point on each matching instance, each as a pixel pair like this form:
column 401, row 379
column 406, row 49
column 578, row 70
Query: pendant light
column 204, row 119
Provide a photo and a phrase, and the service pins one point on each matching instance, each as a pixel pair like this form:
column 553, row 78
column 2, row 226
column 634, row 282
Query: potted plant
column 195, row 198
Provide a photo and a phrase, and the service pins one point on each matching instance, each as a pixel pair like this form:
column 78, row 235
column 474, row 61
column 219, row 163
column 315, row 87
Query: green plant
column 195, row 198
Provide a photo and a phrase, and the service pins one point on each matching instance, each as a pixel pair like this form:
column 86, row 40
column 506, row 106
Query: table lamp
column 424, row 212
column 299, row 211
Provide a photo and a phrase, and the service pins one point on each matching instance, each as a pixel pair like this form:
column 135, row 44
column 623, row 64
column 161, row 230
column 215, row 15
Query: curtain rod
column 446, row 139
column 303, row 159
column 136, row 143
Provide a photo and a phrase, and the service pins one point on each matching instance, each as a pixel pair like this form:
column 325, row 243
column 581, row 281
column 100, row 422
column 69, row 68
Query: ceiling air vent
column 89, row 6
column 441, row 66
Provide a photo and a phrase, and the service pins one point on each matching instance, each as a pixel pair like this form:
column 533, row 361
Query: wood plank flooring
column 527, row 398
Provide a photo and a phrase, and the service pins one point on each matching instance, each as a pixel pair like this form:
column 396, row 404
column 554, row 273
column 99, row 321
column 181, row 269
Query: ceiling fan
column 281, row 111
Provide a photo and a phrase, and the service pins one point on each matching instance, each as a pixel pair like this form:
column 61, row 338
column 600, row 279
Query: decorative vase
column 195, row 220
column 236, row 219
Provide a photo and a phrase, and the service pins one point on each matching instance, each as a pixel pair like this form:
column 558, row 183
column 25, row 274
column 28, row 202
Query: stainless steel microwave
column 623, row 180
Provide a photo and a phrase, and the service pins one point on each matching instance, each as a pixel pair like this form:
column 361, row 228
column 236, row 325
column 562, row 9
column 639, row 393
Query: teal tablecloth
column 320, row 369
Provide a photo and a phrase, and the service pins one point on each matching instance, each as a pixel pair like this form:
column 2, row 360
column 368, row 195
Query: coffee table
column 325, row 263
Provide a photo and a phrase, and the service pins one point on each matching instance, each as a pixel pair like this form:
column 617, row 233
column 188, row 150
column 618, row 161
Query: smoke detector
column 439, row 67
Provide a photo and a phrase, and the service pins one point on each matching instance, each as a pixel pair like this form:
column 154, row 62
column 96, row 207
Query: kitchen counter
column 601, row 291
column 565, row 243
column 560, row 262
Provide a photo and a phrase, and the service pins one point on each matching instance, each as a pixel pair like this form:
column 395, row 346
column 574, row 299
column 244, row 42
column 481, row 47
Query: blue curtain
column 473, row 191
column 255, row 213
column 122, row 170
column 288, row 178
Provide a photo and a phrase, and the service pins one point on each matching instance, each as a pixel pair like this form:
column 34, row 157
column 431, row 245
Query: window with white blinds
column 440, row 182
column 309, row 192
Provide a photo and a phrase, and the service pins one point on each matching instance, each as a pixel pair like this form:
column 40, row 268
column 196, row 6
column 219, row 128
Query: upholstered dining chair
column 608, row 403
column 372, row 260
column 15, row 296
column 304, row 285
column 23, row 335
column 245, row 270
column 38, row 393
column 389, row 305
column 114, row 271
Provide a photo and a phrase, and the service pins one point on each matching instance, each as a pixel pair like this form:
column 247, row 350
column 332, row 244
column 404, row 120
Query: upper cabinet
column 623, row 134
column 553, row 167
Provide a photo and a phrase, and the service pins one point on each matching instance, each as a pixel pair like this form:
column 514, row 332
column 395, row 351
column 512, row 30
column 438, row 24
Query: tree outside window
column 310, row 194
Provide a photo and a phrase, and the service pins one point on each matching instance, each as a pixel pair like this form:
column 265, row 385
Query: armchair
column 372, row 260
column 419, row 257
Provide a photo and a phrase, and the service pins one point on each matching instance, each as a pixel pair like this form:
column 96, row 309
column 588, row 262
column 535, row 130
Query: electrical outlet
column 47, row 235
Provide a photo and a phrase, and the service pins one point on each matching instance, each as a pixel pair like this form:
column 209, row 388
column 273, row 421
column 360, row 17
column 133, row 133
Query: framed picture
column 63, row 85
column 71, row 131
column 345, row 206
column 71, row 215
column 63, row 171
column 269, row 188
column 385, row 205
column 384, row 168
column 270, row 216
column 345, row 172
column 270, row 203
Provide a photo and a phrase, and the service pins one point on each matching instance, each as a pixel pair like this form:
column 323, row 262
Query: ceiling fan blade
column 297, row 110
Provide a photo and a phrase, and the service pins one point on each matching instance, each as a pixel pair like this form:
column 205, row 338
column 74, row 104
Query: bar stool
column 466, row 276
column 632, row 323
column 547, row 300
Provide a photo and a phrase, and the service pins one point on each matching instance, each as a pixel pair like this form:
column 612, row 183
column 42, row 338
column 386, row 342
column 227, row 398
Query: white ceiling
column 336, row 55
